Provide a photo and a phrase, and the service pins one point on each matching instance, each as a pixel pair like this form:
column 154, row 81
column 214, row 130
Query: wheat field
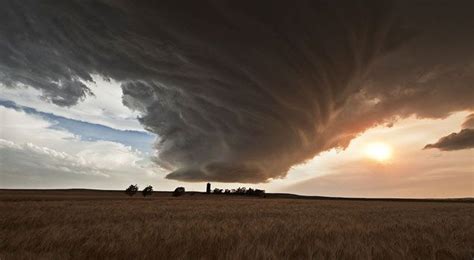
column 110, row 225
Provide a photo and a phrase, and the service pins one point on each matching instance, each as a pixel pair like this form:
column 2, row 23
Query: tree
column 148, row 190
column 241, row 190
column 179, row 191
column 250, row 192
column 131, row 190
column 260, row 193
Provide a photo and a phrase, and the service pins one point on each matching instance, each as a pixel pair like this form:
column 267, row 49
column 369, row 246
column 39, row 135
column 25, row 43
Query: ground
column 93, row 225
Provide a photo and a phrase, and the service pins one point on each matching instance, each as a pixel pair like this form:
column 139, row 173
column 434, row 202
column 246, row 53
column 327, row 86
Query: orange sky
column 411, row 172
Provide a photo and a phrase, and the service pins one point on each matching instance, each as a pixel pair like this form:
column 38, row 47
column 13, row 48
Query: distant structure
column 208, row 188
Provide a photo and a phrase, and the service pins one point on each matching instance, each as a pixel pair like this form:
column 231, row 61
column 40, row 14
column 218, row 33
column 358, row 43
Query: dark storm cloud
column 240, row 91
column 455, row 141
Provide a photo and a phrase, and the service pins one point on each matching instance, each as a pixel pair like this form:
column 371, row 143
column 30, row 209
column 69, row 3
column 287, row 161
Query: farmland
column 92, row 224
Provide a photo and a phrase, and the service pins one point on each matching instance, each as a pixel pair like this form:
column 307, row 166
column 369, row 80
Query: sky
column 316, row 98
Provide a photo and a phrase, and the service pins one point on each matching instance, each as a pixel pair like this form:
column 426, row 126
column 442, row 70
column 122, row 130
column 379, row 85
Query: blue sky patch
column 140, row 140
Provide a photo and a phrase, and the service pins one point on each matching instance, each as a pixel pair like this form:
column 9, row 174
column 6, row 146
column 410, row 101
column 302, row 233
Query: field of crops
column 93, row 225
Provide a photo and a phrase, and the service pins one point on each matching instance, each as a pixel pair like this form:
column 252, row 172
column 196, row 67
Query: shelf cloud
column 240, row 91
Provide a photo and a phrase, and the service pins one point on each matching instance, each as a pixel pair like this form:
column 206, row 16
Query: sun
column 379, row 151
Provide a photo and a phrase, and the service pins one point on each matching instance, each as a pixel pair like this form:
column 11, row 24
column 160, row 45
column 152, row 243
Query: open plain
column 82, row 224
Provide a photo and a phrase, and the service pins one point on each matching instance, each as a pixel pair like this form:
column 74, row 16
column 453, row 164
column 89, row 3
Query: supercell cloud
column 240, row 91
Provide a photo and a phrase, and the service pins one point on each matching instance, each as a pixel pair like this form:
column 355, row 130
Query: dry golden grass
column 93, row 225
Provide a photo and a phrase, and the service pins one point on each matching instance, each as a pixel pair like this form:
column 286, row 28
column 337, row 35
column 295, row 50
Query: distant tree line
column 243, row 191
column 133, row 189
column 240, row 191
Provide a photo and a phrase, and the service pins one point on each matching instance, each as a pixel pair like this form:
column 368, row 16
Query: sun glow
column 380, row 152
